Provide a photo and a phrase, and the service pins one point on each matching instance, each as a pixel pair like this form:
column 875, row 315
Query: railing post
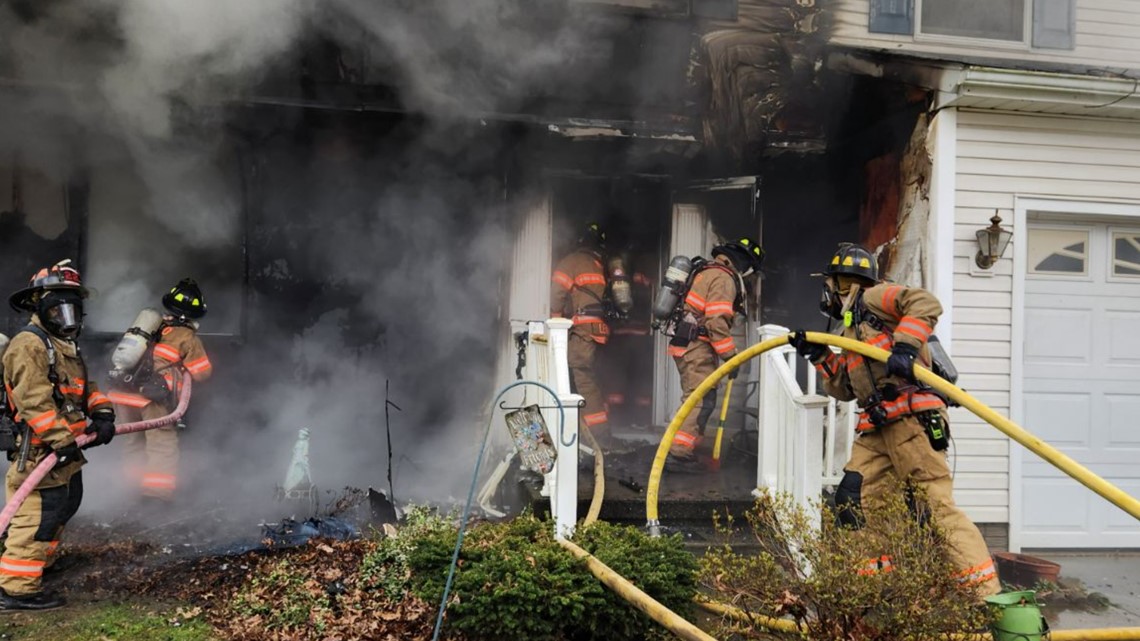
column 564, row 478
column 809, row 444
column 769, row 415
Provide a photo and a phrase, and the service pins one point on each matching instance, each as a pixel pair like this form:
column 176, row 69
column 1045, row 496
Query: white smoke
column 137, row 96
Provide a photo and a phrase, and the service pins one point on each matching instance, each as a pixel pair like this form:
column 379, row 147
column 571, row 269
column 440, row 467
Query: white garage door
column 1082, row 380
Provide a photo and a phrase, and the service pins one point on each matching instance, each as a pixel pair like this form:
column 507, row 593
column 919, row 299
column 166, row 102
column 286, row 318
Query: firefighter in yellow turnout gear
column 578, row 291
column 704, row 335
column 50, row 395
column 153, row 456
column 903, row 430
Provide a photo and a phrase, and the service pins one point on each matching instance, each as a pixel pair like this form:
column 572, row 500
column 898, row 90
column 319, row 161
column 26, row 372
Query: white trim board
column 1022, row 205
column 943, row 197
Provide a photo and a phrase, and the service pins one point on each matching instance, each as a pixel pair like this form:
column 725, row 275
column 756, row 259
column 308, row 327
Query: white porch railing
column 805, row 438
column 546, row 362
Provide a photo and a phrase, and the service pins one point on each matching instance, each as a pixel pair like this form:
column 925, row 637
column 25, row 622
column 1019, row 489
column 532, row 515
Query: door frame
column 1022, row 205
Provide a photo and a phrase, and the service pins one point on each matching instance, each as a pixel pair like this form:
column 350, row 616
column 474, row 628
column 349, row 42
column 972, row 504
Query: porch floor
column 686, row 501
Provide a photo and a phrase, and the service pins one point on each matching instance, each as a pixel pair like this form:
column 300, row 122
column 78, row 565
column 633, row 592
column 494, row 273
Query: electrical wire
column 475, row 482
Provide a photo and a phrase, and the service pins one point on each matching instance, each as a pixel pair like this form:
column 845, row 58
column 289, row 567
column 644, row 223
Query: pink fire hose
column 45, row 465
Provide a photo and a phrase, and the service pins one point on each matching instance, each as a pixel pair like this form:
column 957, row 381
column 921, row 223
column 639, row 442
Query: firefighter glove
column 901, row 361
column 102, row 426
column 734, row 373
column 154, row 389
column 811, row 351
column 66, row 454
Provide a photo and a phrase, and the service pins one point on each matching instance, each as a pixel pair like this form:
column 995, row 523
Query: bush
column 385, row 567
column 515, row 581
column 814, row 575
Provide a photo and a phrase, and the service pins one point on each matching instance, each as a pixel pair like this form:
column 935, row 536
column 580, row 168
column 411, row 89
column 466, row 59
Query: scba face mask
column 62, row 313
column 830, row 301
column 833, row 303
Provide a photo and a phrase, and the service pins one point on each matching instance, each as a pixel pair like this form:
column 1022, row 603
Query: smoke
column 370, row 255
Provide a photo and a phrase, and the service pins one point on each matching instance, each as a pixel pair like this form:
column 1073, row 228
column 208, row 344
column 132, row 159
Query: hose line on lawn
column 1051, row 454
column 475, row 481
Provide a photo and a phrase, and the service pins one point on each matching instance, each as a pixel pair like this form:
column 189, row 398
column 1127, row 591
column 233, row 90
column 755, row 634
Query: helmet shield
column 61, row 312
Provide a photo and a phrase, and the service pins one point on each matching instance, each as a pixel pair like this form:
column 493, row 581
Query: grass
column 108, row 621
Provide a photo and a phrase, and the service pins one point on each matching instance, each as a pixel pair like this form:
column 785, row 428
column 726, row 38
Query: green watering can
column 1020, row 617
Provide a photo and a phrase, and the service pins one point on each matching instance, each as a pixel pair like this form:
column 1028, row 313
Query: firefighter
column 54, row 402
column 903, row 429
column 153, row 455
column 579, row 291
column 703, row 337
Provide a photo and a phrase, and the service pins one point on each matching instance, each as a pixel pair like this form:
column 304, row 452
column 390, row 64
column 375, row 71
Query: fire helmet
column 746, row 255
column 185, row 299
column 854, row 260
column 60, row 276
column 592, row 236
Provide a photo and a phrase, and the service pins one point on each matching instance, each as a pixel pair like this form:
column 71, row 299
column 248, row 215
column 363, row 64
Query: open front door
column 704, row 214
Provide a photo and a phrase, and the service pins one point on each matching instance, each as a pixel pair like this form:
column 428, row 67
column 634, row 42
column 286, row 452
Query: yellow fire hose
column 1051, row 454
column 720, row 425
column 599, row 480
column 642, row 601
column 1059, row 460
column 787, row 625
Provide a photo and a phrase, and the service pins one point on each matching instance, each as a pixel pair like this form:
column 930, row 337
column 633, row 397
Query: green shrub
column 385, row 568
column 515, row 581
column 812, row 574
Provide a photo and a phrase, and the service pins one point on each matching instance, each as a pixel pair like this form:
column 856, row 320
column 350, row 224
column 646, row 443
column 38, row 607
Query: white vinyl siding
column 1105, row 37
column 1001, row 156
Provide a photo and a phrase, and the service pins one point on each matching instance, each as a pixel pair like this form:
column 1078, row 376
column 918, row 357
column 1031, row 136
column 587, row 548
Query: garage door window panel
column 1126, row 255
column 1058, row 252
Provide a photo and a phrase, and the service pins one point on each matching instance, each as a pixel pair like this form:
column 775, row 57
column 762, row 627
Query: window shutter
column 892, row 16
column 1054, row 22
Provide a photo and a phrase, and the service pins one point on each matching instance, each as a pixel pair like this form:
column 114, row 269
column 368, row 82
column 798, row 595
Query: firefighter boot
column 34, row 601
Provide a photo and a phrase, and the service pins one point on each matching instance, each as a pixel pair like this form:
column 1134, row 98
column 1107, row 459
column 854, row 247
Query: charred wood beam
column 673, row 129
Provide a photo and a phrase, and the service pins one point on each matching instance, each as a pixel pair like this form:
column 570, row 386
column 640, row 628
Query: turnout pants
column 902, row 449
column 580, row 356
column 33, row 536
column 694, row 366
column 152, row 456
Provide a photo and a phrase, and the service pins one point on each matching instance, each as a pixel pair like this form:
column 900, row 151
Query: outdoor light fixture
column 992, row 242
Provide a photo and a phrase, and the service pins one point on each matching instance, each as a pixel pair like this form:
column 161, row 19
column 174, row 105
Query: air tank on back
column 134, row 343
column 672, row 287
column 621, row 290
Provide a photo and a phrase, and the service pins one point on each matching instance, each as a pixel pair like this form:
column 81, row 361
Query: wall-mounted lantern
column 992, row 242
